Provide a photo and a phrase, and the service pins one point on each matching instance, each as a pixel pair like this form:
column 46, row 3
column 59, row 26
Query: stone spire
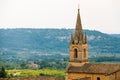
column 78, row 29
column 78, row 35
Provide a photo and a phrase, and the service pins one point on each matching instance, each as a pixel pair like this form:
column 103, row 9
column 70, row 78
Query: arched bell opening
column 75, row 53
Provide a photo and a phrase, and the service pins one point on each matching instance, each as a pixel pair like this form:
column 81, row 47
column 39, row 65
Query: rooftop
column 105, row 69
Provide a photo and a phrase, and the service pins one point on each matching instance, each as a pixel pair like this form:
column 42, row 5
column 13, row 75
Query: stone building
column 79, row 67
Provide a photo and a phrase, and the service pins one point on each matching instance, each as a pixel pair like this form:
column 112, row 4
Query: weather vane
column 78, row 6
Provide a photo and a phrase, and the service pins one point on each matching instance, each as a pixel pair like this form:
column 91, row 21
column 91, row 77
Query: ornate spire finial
column 78, row 29
column 78, row 6
column 86, row 38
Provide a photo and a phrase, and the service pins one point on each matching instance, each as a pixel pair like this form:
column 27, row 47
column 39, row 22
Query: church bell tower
column 78, row 45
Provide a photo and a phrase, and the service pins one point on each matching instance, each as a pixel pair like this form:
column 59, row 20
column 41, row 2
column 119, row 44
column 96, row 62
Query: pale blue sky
column 102, row 15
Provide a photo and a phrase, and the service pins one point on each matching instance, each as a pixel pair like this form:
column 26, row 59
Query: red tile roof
column 95, row 68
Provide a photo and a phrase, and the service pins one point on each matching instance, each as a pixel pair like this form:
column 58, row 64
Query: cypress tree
column 3, row 74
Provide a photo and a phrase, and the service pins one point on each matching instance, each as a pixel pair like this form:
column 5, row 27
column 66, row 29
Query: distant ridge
column 54, row 41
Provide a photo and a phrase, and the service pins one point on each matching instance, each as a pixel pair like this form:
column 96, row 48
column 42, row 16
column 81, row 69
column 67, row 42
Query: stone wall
column 118, row 75
column 114, row 76
column 71, row 76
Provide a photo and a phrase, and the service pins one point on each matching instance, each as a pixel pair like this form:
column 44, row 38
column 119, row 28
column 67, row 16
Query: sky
column 101, row 15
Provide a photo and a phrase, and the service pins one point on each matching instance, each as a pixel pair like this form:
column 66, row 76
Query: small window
column 84, row 53
column 98, row 78
column 75, row 53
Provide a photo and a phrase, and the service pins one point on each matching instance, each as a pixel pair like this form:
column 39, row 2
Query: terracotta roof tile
column 95, row 68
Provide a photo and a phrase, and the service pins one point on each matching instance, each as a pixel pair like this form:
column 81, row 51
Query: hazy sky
column 102, row 15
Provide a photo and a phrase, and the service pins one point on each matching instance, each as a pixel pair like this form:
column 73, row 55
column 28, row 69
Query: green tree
column 3, row 74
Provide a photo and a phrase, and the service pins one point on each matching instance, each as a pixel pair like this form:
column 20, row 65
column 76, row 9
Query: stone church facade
column 79, row 67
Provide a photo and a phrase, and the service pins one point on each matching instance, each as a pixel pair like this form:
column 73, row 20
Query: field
column 35, row 73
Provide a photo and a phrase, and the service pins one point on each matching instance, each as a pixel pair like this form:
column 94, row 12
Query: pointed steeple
column 78, row 36
column 78, row 29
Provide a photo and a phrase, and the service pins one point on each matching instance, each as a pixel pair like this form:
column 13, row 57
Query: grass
column 34, row 73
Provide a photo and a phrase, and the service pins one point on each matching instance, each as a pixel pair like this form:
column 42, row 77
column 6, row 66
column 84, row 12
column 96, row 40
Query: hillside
column 53, row 40
column 17, row 45
column 116, row 35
